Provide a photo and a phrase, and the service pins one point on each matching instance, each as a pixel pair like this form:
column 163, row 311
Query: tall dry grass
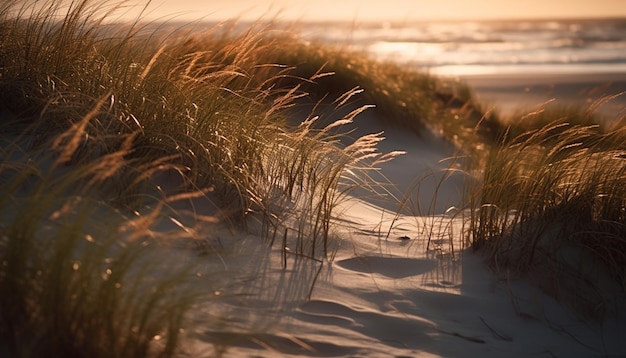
column 405, row 97
column 106, row 130
column 95, row 116
column 79, row 277
column 206, row 100
column 552, row 201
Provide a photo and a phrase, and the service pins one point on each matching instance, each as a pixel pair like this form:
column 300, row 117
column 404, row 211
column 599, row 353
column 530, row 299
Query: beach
column 508, row 93
column 204, row 197
column 404, row 284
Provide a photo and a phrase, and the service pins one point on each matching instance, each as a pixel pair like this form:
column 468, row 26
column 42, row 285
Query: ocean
column 577, row 46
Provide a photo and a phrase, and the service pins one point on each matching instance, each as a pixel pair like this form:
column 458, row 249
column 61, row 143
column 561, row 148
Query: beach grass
column 406, row 97
column 106, row 128
column 96, row 116
column 79, row 276
column 552, row 201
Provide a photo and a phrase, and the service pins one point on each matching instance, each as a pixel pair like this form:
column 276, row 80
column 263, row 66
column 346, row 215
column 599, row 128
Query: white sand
column 387, row 297
column 383, row 296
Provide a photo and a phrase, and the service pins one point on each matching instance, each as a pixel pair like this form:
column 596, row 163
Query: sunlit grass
column 405, row 97
column 108, row 130
column 94, row 118
column 552, row 200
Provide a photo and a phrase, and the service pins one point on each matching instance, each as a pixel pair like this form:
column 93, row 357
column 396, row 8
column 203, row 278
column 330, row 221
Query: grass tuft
column 108, row 132
column 71, row 282
column 552, row 200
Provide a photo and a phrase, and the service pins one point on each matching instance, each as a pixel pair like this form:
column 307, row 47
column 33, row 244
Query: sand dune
column 386, row 295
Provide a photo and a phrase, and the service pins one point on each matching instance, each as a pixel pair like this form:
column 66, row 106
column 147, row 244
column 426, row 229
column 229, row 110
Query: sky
column 384, row 10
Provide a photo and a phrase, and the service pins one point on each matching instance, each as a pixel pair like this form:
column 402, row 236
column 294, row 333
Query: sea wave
column 581, row 45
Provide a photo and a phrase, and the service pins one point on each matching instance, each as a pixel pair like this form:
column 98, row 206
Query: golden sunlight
column 388, row 10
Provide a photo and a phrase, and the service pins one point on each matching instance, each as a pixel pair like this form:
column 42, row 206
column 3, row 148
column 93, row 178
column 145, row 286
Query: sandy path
column 387, row 296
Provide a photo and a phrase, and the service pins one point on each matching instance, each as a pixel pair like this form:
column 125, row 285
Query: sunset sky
column 385, row 10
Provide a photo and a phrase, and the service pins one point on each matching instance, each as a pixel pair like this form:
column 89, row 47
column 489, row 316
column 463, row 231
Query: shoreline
column 516, row 92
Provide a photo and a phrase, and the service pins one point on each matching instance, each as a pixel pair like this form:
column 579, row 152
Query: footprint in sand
column 393, row 267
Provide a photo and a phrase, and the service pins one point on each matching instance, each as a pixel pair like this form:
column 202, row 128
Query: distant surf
column 578, row 46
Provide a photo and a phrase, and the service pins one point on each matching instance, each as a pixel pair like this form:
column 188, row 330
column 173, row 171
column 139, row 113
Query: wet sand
column 508, row 93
